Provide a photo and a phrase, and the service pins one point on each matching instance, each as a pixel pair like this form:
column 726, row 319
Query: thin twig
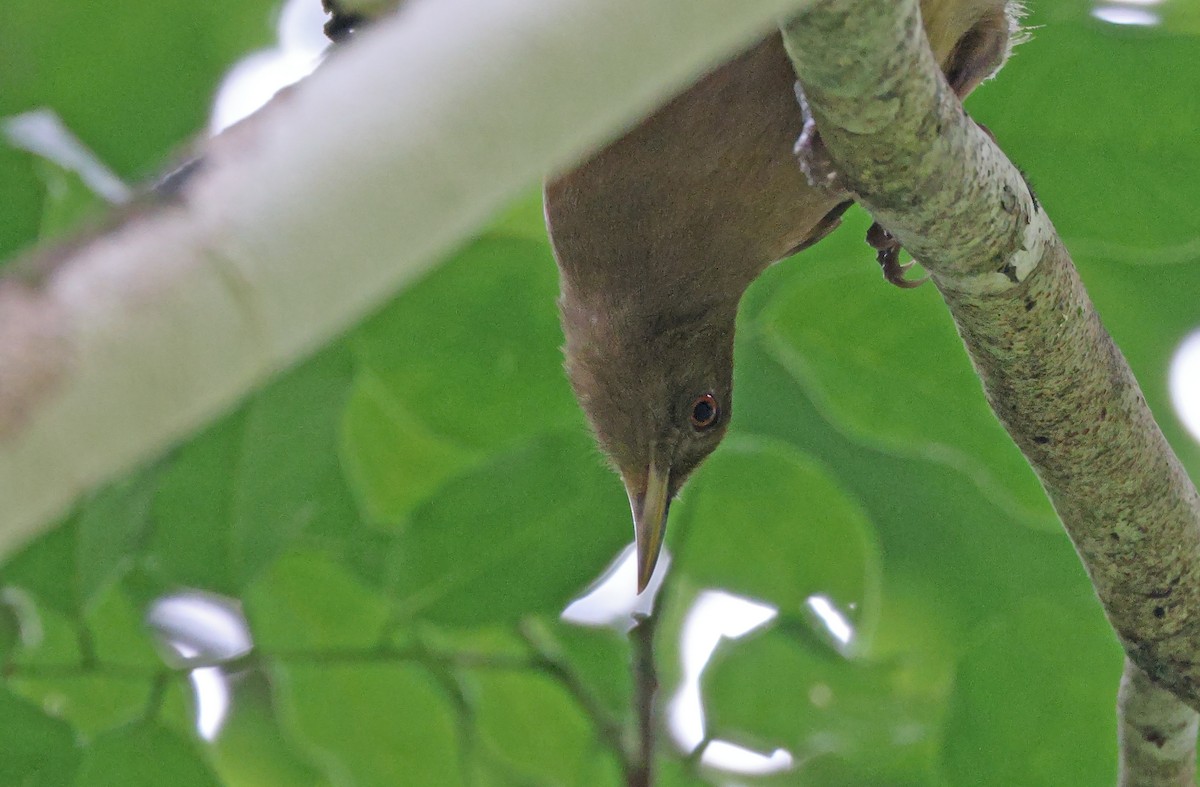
column 645, row 694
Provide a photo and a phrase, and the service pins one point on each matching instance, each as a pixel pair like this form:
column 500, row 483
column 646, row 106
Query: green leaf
column 1047, row 667
column 887, row 367
column 392, row 460
column 49, row 636
column 773, row 689
column 110, row 531
column 117, row 632
column 24, row 194
column 600, row 656
column 39, row 751
column 93, row 703
column 521, row 534
column 307, row 602
column 372, row 724
column 133, row 129
column 10, row 630
column 248, row 487
column 764, row 520
column 468, row 351
column 935, row 529
column 673, row 773
column 530, row 721
column 46, row 568
column 251, row 749
column 193, row 510
column 1111, row 159
column 143, row 755
column 70, row 566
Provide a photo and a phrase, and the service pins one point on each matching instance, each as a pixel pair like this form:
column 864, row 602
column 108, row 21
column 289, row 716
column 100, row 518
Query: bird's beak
column 649, row 506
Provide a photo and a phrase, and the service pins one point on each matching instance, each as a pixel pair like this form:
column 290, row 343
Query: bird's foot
column 342, row 24
column 810, row 151
column 887, row 253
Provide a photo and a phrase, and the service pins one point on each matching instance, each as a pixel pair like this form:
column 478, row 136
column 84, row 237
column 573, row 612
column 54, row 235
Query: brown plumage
column 658, row 235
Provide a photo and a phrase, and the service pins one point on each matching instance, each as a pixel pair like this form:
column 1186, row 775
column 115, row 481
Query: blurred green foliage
column 398, row 513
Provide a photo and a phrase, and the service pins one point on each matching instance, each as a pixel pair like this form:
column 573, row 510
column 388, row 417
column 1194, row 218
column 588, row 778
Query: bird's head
column 657, row 389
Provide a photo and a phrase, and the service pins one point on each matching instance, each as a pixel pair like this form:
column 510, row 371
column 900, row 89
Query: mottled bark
column 1157, row 733
column 901, row 142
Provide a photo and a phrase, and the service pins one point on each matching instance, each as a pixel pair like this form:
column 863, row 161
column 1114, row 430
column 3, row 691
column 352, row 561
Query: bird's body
column 658, row 235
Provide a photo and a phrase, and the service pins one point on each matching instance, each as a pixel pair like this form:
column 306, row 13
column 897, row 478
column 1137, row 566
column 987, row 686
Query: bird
column 658, row 235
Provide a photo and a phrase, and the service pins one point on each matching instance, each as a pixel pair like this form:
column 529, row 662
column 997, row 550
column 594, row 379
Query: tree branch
column 901, row 142
column 1157, row 734
column 308, row 215
column 645, row 696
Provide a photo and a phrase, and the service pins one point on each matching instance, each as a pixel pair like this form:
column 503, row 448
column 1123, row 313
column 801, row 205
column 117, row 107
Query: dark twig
column 645, row 692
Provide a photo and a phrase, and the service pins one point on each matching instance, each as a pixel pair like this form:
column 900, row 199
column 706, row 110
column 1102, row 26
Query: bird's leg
column 342, row 23
column 887, row 253
column 811, row 153
column 887, row 248
column 819, row 169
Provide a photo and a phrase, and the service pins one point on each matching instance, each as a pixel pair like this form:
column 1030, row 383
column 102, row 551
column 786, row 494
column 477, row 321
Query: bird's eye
column 705, row 412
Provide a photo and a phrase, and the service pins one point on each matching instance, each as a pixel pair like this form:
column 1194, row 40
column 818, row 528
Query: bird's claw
column 887, row 253
column 810, row 151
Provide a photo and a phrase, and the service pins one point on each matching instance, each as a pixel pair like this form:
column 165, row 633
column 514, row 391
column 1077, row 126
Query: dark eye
column 705, row 412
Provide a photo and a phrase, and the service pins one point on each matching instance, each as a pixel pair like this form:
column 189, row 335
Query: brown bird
column 659, row 234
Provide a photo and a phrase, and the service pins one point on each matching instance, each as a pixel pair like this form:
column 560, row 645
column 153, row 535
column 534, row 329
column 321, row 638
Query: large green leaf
column 875, row 720
column 93, row 703
column 110, row 531
column 1044, row 666
column 39, row 751
column 936, row 529
column 600, row 656
column 307, row 602
column 764, row 520
column 251, row 749
column 74, row 564
column 521, row 534
column 132, row 103
column 143, row 755
column 372, row 724
column 1111, row 159
column 46, row 567
column 472, row 351
column 391, row 458
column 887, row 367
column 258, row 480
column 117, row 633
column 530, row 721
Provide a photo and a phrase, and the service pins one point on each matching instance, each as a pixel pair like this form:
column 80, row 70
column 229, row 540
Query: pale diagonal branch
column 903, row 145
column 308, row 215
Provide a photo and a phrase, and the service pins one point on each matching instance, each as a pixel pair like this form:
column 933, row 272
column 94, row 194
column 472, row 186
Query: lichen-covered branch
column 901, row 142
column 1157, row 733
